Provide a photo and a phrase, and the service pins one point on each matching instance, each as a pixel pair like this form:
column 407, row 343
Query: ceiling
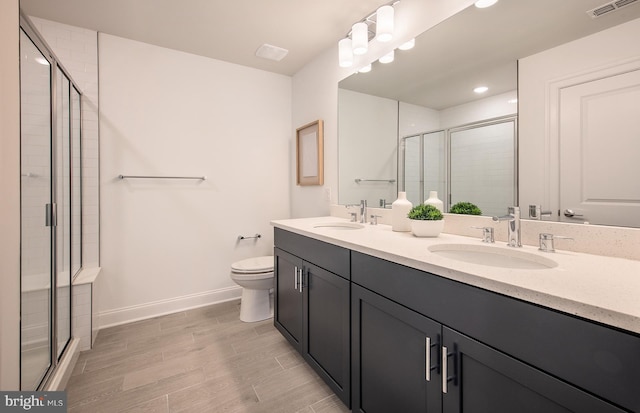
column 230, row 30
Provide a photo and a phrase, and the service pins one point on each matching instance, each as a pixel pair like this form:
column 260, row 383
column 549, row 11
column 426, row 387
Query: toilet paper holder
column 241, row 237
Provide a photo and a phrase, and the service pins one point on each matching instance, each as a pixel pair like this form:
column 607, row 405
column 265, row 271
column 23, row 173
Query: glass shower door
column 36, row 194
column 483, row 165
column 63, row 202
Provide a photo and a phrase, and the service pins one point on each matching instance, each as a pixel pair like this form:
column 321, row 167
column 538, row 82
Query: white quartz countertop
column 594, row 287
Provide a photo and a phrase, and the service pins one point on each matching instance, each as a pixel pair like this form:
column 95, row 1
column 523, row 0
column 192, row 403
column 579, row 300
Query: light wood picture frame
column 310, row 154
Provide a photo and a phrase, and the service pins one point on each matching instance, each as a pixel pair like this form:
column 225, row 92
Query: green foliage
column 425, row 212
column 466, row 208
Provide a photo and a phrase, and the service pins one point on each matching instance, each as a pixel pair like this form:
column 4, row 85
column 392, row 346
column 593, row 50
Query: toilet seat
column 254, row 265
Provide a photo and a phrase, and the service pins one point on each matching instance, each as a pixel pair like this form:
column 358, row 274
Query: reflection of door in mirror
column 599, row 149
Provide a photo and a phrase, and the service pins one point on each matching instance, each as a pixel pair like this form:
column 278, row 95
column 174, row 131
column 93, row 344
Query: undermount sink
column 339, row 225
column 493, row 256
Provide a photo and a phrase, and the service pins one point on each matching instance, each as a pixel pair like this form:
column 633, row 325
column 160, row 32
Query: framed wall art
column 310, row 154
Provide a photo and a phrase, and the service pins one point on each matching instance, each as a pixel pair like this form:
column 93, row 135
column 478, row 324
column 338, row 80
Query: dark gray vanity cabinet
column 399, row 363
column 498, row 354
column 395, row 357
column 311, row 305
column 287, row 303
column 482, row 379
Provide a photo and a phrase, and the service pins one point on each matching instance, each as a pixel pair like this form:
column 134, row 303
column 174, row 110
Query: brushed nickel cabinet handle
column 427, row 354
column 300, row 282
column 444, row 370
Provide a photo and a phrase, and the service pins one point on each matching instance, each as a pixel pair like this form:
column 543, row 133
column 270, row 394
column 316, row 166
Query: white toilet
column 255, row 276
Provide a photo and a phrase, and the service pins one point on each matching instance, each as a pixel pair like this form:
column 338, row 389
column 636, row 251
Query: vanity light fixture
column 345, row 53
column 365, row 69
column 384, row 23
column 360, row 38
column 408, row 45
column 481, row 89
column 388, row 58
column 481, row 4
column 381, row 21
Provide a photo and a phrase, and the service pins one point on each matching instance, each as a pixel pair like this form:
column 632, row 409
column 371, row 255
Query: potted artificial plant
column 426, row 220
column 466, row 208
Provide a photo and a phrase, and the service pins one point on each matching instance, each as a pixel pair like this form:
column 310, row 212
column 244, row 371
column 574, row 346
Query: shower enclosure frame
column 56, row 351
column 446, row 158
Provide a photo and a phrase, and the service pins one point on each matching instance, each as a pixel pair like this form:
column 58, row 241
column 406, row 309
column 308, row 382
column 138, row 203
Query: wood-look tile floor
column 201, row 360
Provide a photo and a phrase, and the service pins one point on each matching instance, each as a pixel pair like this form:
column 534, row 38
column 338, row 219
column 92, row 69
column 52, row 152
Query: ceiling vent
column 267, row 51
column 609, row 7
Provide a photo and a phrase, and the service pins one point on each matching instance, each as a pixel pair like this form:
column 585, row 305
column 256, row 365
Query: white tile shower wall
column 81, row 320
column 35, row 318
column 482, row 167
column 35, row 162
column 77, row 49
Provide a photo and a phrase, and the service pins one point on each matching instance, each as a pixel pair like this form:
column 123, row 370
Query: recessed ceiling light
column 481, row 89
column 267, row 51
column 481, row 4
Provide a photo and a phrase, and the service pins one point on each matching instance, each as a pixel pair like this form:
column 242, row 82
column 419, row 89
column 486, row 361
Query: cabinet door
column 482, row 379
column 288, row 297
column 395, row 357
column 326, row 344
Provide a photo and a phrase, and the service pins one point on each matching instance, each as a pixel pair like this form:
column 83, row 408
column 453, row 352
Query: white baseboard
column 125, row 315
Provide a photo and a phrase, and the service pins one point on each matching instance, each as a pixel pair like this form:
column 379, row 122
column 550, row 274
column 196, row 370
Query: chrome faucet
column 513, row 225
column 363, row 211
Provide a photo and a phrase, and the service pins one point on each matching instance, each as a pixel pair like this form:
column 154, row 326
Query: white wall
column 414, row 119
column 537, row 75
column 368, row 130
column 315, row 95
column 169, row 244
column 479, row 110
column 10, row 199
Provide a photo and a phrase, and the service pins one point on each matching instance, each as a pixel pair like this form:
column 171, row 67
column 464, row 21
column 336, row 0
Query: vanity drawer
column 328, row 256
column 596, row 358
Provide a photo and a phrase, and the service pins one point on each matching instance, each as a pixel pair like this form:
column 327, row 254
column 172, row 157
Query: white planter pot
column 425, row 228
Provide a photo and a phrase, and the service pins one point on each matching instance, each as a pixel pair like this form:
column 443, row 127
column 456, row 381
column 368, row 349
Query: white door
column 600, row 151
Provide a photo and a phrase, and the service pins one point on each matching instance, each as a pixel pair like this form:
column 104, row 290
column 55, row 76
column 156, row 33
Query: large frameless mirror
column 432, row 88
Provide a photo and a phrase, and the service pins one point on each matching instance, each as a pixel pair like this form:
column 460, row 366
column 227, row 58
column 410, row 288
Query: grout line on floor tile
column 253, row 387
